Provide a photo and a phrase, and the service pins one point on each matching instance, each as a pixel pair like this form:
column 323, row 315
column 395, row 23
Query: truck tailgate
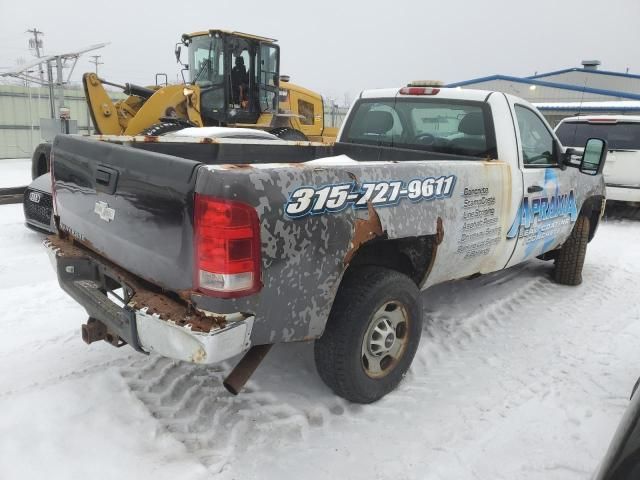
column 131, row 206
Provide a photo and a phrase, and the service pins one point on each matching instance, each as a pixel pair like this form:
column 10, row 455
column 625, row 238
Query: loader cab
column 237, row 74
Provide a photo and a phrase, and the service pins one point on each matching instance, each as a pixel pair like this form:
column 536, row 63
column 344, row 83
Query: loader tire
column 162, row 128
column 570, row 257
column 372, row 334
column 286, row 133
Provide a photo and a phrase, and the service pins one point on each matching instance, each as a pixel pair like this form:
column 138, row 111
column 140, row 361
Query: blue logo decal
column 543, row 208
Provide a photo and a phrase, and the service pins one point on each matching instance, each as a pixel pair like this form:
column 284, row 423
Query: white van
column 622, row 132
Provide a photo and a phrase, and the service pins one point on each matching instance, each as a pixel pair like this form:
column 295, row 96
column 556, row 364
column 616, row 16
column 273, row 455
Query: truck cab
column 516, row 178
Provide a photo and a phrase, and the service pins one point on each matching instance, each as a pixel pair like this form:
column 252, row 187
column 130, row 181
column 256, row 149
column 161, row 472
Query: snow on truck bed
column 515, row 378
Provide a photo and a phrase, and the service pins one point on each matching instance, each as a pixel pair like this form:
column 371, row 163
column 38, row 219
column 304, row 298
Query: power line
column 36, row 43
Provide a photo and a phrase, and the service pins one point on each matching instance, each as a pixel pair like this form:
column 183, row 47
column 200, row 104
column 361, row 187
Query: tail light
column 419, row 91
column 227, row 247
column 602, row 120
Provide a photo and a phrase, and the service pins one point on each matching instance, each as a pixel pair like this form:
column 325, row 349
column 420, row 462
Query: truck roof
column 230, row 32
column 452, row 93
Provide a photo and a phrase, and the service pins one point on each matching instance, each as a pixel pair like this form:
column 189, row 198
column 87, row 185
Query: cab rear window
column 619, row 136
column 444, row 126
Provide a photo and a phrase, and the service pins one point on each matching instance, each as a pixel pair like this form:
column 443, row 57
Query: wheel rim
column 385, row 339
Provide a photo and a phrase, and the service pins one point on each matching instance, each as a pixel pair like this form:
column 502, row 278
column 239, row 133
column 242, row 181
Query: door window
column 537, row 141
column 305, row 110
column 268, row 77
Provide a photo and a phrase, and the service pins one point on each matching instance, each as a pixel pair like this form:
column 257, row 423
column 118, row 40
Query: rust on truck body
column 159, row 303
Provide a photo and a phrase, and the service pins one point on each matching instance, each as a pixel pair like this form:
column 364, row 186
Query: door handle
column 534, row 188
column 106, row 180
column 103, row 177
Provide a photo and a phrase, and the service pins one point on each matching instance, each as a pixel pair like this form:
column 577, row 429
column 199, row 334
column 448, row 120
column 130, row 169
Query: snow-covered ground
column 515, row 378
column 15, row 172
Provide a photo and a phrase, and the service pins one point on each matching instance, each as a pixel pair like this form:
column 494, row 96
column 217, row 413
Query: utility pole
column 96, row 61
column 36, row 43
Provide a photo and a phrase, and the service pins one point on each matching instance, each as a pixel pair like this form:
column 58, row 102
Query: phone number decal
column 334, row 198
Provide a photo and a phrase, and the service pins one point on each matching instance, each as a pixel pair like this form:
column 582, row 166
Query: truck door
column 487, row 192
column 548, row 207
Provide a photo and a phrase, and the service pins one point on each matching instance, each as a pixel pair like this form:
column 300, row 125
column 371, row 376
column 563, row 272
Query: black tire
column 340, row 353
column 570, row 257
column 162, row 128
column 286, row 133
column 41, row 160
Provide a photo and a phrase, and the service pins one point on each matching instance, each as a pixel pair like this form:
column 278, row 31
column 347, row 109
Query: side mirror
column 178, row 51
column 594, row 156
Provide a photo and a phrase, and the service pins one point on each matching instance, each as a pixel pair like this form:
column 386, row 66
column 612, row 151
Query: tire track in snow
column 496, row 337
column 190, row 402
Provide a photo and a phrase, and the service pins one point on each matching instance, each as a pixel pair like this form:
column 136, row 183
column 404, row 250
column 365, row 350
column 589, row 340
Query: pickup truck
column 202, row 249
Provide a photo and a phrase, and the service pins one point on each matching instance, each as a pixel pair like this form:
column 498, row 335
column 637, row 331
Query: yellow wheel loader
column 233, row 80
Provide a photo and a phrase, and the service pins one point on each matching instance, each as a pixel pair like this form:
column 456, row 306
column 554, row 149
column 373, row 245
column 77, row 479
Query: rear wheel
column 286, row 133
column 570, row 257
column 372, row 334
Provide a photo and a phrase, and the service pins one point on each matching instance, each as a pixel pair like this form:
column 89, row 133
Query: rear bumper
column 622, row 193
column 87, row 280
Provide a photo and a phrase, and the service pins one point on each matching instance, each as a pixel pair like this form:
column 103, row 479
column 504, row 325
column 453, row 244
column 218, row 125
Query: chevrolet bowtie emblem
column 103, row 210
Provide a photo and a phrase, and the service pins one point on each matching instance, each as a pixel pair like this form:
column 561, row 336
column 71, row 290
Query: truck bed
column 148, row 184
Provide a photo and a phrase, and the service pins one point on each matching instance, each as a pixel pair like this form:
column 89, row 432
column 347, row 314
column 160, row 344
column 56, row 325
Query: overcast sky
column 334, row 46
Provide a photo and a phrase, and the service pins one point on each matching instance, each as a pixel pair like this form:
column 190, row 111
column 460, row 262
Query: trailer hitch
column 94, row 331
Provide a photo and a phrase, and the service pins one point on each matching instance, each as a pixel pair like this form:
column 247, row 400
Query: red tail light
column 602, row 120
column 419, row 91
column 227, row 247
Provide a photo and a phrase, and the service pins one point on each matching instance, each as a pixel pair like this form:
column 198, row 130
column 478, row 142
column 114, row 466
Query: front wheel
column 372, row 334
column 570, row 257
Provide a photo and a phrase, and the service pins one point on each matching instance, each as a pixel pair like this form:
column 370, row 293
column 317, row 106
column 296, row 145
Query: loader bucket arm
column 166, row 103
column 103, row 112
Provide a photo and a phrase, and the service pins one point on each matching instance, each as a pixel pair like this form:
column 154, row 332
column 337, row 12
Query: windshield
column 620, row 136
column 444, row 126
column 206, row 61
